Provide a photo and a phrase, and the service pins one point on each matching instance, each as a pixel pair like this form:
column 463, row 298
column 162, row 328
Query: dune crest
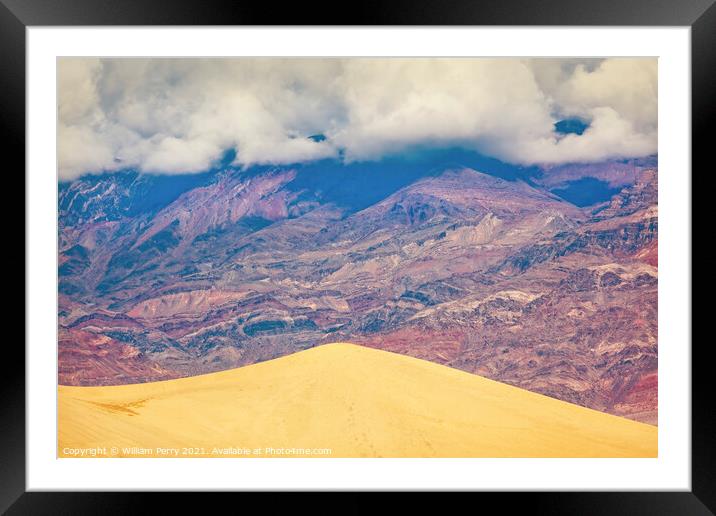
column 338, row 400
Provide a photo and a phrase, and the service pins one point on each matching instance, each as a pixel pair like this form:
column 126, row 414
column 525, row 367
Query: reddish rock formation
column 496, row 277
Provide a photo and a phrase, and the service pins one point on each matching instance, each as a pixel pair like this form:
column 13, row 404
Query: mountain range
column 545, row 279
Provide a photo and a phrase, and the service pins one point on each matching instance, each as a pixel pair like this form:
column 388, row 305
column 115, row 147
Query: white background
column 671, row 470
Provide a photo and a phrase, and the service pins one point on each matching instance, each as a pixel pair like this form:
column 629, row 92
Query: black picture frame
column 16, row 15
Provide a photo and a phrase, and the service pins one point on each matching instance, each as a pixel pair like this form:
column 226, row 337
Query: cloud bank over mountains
column 181, row 115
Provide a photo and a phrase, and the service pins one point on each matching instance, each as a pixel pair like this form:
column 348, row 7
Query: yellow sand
column 355, row 401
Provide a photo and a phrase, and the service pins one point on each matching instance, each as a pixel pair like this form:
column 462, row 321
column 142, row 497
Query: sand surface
column 338, row 400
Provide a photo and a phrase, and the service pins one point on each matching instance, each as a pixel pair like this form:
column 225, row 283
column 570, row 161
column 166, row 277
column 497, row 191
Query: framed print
column 432, row 251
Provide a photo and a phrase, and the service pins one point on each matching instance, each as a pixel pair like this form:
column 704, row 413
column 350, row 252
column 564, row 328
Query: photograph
column 357, row 257
column 417, row 247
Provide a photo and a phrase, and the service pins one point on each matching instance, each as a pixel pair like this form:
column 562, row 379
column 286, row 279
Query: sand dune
column 354, row 401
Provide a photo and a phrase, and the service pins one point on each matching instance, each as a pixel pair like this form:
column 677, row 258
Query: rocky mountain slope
column 495, row 276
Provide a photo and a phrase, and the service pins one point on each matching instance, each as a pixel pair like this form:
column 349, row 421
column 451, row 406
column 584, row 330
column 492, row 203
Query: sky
column 178, row 116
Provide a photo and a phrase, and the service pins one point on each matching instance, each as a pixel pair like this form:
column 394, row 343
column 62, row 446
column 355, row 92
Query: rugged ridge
column 493, row 276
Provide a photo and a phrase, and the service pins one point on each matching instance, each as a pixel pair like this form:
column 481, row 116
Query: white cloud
column 181, row 115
